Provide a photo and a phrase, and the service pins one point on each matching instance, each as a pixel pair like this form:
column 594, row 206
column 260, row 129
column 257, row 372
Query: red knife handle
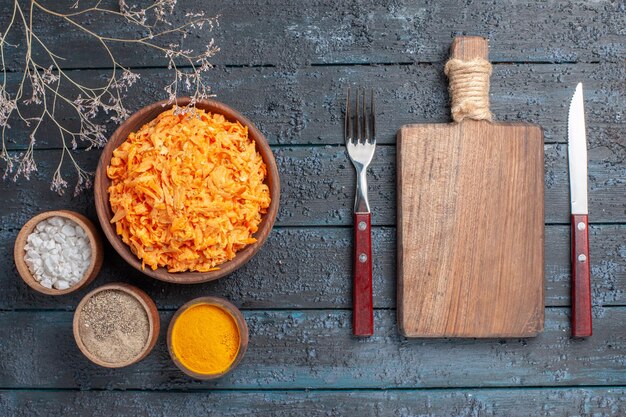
column 362, row 300
column 581, row 277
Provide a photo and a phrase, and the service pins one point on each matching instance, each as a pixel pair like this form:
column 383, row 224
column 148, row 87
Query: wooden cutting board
column 470, row 225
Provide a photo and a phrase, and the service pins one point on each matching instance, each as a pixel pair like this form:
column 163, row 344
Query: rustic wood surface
column 284, row 65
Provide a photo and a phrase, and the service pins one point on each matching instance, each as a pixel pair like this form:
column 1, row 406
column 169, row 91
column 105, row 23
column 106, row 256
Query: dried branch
column 46, row 88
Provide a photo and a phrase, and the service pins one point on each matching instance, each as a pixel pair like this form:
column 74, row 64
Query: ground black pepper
column 114, row 326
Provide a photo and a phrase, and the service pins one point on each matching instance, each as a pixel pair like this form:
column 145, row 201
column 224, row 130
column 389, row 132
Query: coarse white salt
column 58, row 253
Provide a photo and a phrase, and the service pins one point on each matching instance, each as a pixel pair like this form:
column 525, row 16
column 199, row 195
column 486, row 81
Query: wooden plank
column 363, row 32
column 303, row 106
column 278, row 277
column 317, row 185
column 605, row 402
column 295, row 264
column 315, row 349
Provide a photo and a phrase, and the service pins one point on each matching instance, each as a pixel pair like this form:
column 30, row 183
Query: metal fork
column 360, row 136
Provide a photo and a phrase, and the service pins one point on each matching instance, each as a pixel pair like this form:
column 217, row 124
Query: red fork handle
column 362, row 302
column 581, row 277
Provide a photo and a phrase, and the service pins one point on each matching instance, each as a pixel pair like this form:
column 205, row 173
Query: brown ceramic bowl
column 97, row 253
column 241, row 324
column 150, row 308
column 102, row 183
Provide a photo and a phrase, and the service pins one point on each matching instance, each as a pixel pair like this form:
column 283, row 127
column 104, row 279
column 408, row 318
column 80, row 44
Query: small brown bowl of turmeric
column 207, row 337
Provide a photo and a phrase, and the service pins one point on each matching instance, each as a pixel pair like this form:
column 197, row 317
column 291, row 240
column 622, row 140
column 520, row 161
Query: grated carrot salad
column 187, row 191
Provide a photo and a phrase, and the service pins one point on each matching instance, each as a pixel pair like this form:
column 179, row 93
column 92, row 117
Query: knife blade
column 577, row 152
column 581, row 275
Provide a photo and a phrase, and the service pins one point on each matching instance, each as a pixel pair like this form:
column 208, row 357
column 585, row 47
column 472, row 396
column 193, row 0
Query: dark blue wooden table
column 286, row 65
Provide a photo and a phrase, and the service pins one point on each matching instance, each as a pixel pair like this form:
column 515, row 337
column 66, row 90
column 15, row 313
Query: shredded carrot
column 187, row 191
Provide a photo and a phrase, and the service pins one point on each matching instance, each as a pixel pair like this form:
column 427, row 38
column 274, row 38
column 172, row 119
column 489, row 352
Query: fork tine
column 346, row 130
column 373, row 119
column 365, row 119
column 357, row 126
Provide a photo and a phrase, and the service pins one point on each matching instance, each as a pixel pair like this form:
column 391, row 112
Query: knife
column 581, row 276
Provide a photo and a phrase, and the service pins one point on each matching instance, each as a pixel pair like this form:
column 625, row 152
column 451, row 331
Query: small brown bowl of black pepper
column 116, row 325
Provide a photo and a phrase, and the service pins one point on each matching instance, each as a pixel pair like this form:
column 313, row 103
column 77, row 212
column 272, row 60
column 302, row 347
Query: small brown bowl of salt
column 116, row 325
column 58, row 252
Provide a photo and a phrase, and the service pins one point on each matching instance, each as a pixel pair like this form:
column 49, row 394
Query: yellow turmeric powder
column 205, row 339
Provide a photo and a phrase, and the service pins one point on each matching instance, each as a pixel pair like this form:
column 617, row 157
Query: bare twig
column 43, row 88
